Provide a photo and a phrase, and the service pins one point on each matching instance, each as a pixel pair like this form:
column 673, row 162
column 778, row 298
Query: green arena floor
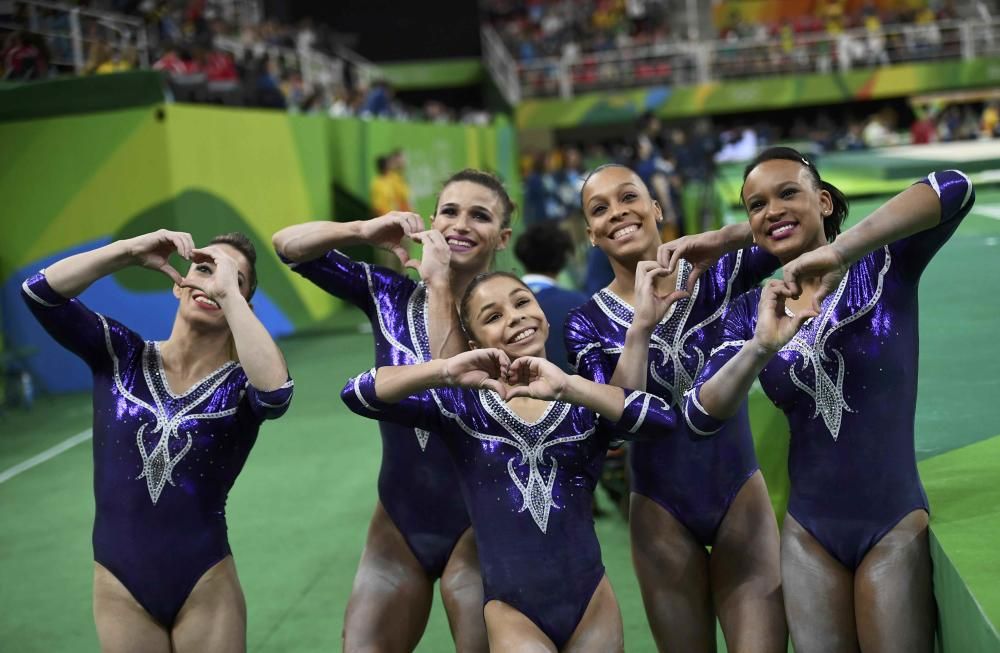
column 299, row 512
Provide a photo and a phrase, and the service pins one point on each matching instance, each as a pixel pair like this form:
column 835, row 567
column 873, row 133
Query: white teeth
column 783, row 229
column 624, row 231
column 524, row 334
column 460, row 243
column 202, row 299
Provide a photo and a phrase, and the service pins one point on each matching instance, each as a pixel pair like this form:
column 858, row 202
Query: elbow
column 285, row 246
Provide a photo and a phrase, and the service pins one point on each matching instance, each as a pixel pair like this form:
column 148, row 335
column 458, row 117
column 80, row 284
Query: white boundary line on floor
column 48, row 454
column 987, row 211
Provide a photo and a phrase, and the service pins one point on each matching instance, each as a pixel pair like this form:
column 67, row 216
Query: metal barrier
column 685, row 62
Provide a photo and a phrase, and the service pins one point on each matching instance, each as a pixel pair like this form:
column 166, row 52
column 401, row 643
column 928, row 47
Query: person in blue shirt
column 543, row 249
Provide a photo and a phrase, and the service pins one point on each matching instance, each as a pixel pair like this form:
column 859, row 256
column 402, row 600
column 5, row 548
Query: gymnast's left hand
column 214, row 273
column 535, row 377
column 824, row 263
column 435, row 263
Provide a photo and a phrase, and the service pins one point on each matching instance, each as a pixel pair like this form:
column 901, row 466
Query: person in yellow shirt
column 389, row 192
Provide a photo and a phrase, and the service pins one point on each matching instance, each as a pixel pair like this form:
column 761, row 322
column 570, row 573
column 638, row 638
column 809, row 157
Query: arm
column 443, row 328
column 479, row 368
column 626, row 411
column 726, row 379
column 583, row 348
column 651, row 307
column 703, row 250
column 917, row 221
column 310, row 240
column 258, row 354
column 72, row 275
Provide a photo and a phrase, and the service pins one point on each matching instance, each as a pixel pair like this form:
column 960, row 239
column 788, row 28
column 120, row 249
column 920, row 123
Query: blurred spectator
column 544, row 249
column 924, row 129
column 990, row 120
column 25, row 56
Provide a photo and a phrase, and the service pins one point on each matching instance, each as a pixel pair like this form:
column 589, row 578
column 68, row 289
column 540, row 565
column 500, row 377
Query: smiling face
column 195, row 306
column 621, row 215
column 502, row 313
column 786, row 208
column 470, row 217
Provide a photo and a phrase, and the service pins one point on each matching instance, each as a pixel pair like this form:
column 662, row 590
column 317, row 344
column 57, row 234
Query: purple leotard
column 848, row 383
column 694, row 482
column 529, row 488
column 417, row 484
column 163, row 463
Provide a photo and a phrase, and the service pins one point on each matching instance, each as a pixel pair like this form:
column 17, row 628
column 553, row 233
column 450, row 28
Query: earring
column 753, row 237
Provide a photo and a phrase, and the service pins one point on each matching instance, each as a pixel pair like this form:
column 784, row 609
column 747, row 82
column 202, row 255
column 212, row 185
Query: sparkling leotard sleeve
column 583, row 347
column 342, row 277
column 957, row 198
column 737, row 328
column 757, row 264
column 74, row 326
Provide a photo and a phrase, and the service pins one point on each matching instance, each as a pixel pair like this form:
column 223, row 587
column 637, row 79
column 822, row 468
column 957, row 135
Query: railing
column 501, row 65
column 69, row 29
column 684, row 62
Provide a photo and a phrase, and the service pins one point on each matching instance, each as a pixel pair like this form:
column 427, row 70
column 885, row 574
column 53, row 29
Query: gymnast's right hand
column 153, row 251
column 650, row 305
column 478, row 369
column 388, row 231
column 775, row 327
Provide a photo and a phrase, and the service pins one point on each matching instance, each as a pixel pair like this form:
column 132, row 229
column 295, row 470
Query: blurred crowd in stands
column 600, row 43
column 208, row 54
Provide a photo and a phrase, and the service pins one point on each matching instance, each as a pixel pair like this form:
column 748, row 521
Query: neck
column 460, row 280
column 788, row 257
column 190, row 350
column 624, row 269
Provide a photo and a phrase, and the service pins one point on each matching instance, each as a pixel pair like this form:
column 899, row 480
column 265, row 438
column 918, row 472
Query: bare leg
column 122, row 624
column 600, row 629
column 745, row 571
column 510, row 630
column 819, row 594
column 214, row 616
column 672, row 568
column 391, row 598
column 462, row 594
column 892, row 591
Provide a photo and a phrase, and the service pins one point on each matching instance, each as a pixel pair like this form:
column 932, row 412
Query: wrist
column 574, row 391
column 842, row 250
column 736, row 236
column 441, row 374
column 759, row 350
column 639, row 332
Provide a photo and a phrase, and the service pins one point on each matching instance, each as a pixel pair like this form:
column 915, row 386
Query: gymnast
column 528, row 448
column 420, row 531
column 835, row 346
column 174, row 422
column 686, row 494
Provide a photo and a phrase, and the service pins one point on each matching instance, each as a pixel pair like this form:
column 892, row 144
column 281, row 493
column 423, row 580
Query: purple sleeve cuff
column 271, row 404
column 36, row 288
column 644, row 416
column 955, row 190
column 359, row 395
column 697, row 418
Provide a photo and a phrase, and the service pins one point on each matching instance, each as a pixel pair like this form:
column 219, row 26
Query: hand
column 153, row 251
column 388, row 231
column 702, row 251
column 775, row 328
column 650, row 305
column 824, row 263
column 478, row 369
column 221, row 281
column 530, row 376
column 435, row 264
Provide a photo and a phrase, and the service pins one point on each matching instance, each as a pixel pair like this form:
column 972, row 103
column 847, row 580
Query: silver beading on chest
column 159, row 463
column 827, row 389
column 530, row 440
